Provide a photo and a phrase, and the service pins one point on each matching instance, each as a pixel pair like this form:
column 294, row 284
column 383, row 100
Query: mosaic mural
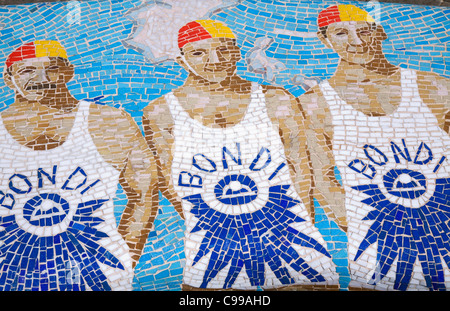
column 224, row 144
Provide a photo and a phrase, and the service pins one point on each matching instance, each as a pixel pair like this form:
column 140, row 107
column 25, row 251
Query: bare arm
column 291, row 127
column 158, row 126
column 328, row 191
column 309, row 155
column 120, row 142
column 435, row 92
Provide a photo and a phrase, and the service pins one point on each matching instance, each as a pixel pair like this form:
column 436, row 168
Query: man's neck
column 41, row 125
column 63, row 102
column 373, row 72
column 234, row 84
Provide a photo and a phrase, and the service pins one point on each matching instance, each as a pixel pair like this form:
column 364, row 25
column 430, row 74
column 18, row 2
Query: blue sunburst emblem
column 250, row 240
column 408, row 233
column 32, row 262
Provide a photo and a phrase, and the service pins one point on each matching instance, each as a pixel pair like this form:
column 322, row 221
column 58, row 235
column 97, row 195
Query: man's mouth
column 40, row 86
column 217, row 68
column 357, row 50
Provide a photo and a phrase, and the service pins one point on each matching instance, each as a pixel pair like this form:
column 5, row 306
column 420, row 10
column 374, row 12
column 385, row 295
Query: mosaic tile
column 224, row 145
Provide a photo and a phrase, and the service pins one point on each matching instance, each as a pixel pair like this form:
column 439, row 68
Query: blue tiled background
column 418, row 39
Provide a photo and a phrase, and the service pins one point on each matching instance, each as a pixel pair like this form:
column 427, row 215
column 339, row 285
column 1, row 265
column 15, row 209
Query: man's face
column 39, row 78
column 212, row 59
column 355, row 42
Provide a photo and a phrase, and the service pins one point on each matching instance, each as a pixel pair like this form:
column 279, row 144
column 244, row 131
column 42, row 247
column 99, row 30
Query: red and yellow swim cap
column 203, row 29
column 342, row 13
column 39, row 48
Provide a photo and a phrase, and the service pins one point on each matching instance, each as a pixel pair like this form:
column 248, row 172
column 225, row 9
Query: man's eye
column 25, row 71
column 341, row 33
column 365, row 32
column 197, row 53
column 53, row 68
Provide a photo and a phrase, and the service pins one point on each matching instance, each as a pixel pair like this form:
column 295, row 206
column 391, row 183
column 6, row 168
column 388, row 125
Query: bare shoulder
column 442, row 84
column 316, row 110
column 275, row 91
column 435, row 92
column 115, row 133
column 313, row 101
column 432, row 76
column 313, row 92
column 119, row 140
column 106, row 119
column 280, row 102
column 157, row 113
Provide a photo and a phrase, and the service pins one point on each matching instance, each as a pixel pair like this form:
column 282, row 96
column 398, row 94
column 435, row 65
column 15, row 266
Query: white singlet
column 240, row 206
column 395, row 172
column 57, row 215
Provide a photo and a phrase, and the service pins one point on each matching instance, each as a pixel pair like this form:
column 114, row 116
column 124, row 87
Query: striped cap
column 40, row 48
column 203, row 29
column 342, row 13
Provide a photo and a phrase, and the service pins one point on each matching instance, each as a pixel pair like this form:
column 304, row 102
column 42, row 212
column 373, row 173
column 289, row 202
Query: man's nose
column 40, row 75
column 215, row 57
column 354, row 39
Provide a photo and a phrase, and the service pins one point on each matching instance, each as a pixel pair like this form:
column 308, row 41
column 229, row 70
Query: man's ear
column 181, row 62
column 381, row 33
column 324, row 40
column 239, row 57
column 8, row 80
column 69, row 72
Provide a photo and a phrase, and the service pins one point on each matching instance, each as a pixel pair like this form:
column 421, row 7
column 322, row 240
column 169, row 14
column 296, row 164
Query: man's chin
column 362, row 61
column 213, row 80
column 359, row 58
column 34, row 97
